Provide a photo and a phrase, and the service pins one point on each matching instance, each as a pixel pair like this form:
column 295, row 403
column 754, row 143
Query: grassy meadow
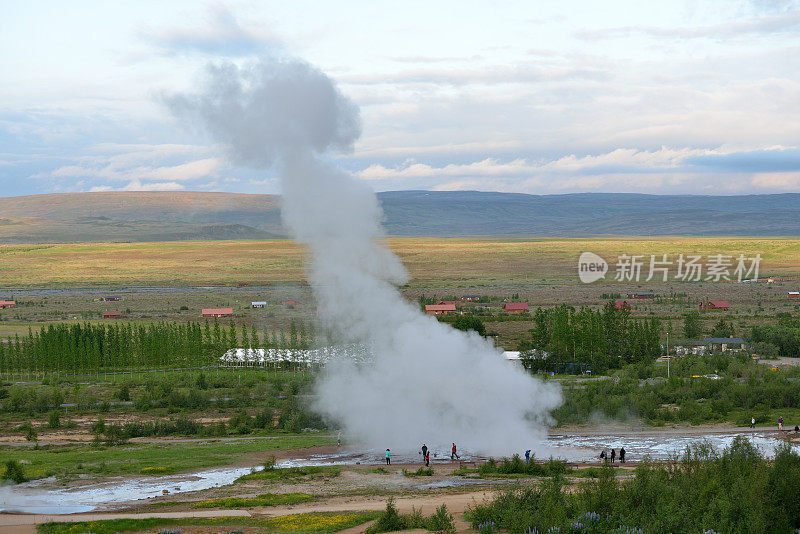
column 428, row 260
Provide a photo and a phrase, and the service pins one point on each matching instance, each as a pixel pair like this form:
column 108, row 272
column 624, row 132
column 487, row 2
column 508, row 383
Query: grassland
column 428, row 260
column 320, row 522
column 138, row 458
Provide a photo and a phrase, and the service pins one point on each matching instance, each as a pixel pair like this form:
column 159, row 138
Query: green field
column 443, row 260
column 150, row 458
column 322, row 522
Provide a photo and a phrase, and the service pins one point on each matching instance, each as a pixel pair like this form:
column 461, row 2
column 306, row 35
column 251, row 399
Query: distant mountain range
column 169, row 216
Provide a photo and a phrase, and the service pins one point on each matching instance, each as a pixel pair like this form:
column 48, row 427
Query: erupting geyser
column 427, row 382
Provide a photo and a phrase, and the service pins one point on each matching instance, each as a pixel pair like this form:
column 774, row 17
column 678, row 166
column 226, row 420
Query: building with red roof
column 515, row 307
column 7, row 304
column 218, row 312
column 112, row 315
column 715, row 305
column 440, row 309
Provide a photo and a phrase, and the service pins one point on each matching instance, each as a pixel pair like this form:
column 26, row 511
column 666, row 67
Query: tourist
column 528, row 456
column 424, row 451
column 427, row 458
column 780, row 423
column 613, row 455
column 453, row 454
column 388, row 457
column 752, row 422
column 622, row 455
column 339, row 440
column 796, row 429
column 603, row 456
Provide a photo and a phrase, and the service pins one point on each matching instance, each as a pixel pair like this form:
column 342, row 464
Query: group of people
column 780, row 424
column 613, row 456
column 426, row 455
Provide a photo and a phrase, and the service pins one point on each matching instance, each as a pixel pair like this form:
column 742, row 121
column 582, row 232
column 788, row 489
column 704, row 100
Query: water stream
column 33, row 497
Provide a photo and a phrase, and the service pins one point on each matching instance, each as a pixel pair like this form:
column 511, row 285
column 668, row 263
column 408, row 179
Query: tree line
column 89, row 347
column 597, row 339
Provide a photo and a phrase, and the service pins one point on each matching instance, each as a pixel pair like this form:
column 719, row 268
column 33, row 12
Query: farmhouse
column 641, row 295
column 258, row 304
column 440, row 309
column 456, row 303
column 290, row 302
column 695, row 348
column 7, row 304
column 794, row 294
column 218, row 312
column 724, row 344
column 515, row 307
column 112, row 299
column 112, row 315
column 722, row 305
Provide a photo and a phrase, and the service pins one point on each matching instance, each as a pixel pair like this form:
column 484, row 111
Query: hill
column 167, row 216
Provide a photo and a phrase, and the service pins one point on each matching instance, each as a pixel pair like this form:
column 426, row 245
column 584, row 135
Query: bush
column 124, row 393
column 388, row 521
column 14, row 472
column 735, row 491
column 54, row 420
column 391, row 521
column 421, row 472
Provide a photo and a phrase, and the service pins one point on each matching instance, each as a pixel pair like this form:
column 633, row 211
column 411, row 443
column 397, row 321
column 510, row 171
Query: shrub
column 702, row 490
column 421, row 472
column 391, row 520
column 54, row 420
column 14, row 472
column 388, row 521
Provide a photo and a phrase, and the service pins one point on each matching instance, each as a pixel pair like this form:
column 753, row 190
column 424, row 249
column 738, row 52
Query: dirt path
column 26, row 523
column 457, row 504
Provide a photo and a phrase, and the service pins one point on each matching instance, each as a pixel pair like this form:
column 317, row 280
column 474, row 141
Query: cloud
column 620, row 161
column 762, row 161
column 137, row 185
column 786, row 23
column 787, row 181
column 223, row 35
column 523, row 72
column 143, row 167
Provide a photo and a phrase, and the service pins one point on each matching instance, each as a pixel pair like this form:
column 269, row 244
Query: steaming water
column 31, row 498
column 425, row 380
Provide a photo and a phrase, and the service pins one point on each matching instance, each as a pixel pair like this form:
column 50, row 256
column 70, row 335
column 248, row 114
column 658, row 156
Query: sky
column 679, row 97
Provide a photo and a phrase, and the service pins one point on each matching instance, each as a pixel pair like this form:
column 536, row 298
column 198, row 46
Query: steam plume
column 428, row 382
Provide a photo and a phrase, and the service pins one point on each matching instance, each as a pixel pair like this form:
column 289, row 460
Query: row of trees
column 97, row 347
column 601, row 339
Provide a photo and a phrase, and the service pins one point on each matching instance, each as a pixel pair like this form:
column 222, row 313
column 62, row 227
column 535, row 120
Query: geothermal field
column 467, row 268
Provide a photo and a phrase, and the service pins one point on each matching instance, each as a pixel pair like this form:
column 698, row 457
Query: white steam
column 428, row 382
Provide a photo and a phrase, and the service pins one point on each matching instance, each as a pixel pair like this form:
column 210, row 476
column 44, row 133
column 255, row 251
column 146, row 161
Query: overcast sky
column 690, row 97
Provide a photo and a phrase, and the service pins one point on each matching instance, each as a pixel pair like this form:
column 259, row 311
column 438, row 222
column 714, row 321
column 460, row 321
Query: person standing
column 613, row 455
column 339, row 440
column 603, row 456
column 388, row 457
column 622, row 455
column 427, row 458
column 780, row 423
column 752, row 422
column 453, row 454
column 528, row 456
column 424, row 452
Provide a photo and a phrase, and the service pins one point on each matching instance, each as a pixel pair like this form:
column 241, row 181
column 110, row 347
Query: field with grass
column 300, row 523
column 70, row 461
column 429, row 260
